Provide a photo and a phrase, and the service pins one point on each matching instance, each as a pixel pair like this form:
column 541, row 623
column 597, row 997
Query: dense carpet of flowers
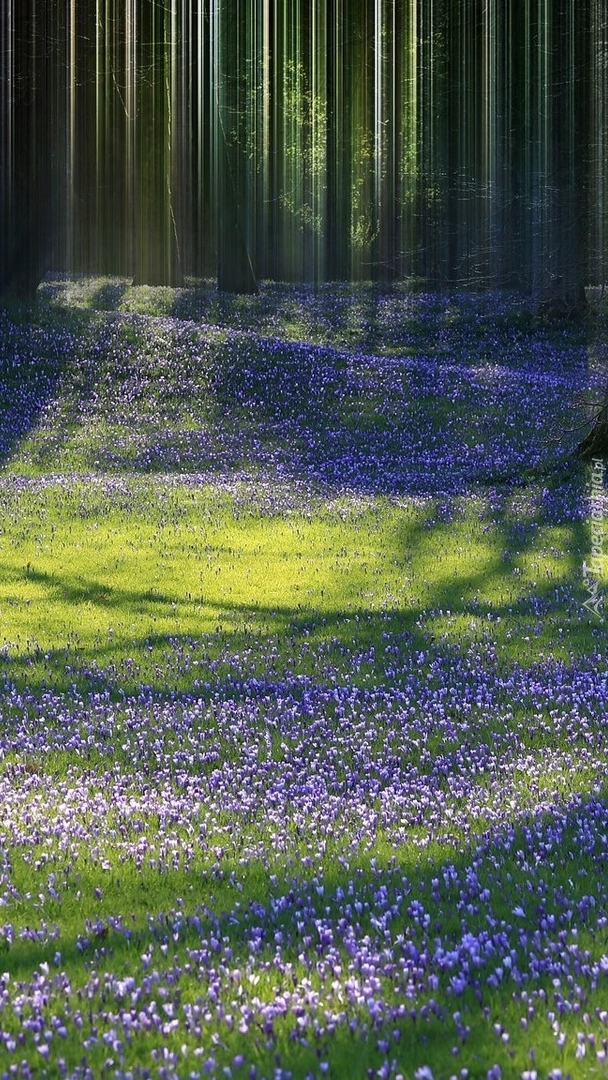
column 461, row 401
column 348, row 875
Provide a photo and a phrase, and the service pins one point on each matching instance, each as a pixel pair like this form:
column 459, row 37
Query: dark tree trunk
column 234, row 269
column 386, row 257
column 332, row 222
column 157, row 254
column 562, row 293
column 595, row 443
column 25, row 151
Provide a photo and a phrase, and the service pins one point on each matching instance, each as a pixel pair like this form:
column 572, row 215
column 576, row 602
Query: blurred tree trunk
column 337, row 262
column 233, row 84
column 157, row 252
column 562, row 291
column 25, row 148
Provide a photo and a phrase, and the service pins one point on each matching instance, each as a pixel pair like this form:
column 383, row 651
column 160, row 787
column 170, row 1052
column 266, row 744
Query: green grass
column 80, row 571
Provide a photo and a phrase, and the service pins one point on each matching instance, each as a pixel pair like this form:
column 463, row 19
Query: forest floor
column 303, row 687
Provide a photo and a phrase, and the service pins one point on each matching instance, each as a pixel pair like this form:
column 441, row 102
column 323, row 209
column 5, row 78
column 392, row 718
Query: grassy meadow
column 303, row 747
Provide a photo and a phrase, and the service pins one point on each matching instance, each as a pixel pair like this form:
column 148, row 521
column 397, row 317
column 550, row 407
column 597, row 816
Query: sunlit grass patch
column 90, row 565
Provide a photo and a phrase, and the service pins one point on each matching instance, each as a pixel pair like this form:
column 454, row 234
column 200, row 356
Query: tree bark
column 562, row 292
column 595, row 443
column 26, row 152
column 157, row 253
column 234, row 268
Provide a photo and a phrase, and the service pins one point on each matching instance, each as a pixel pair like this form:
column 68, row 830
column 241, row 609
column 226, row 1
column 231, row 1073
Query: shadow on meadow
column 280, row 385
column 442, row 610
column 33, row 362
column 365, row 314
column 95, row 294
column 460, row 604
column 463, row 589
column 279, row 645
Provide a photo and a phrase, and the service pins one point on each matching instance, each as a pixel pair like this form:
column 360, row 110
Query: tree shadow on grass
column 32, row 366
column 439, row 419
column 466, row 606
column 519, row 865
column 96, row 294
column 500, row 916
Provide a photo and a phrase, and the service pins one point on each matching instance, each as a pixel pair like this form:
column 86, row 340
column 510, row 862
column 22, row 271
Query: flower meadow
column 303, row 746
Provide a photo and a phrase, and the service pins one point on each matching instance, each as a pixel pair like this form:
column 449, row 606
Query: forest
column 459, row 143
column 303, row 439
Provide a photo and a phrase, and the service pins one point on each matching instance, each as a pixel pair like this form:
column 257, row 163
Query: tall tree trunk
column 563, row 286
column 25, row 148
column 233, row 84
column 157, row 254
column 332, row 220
